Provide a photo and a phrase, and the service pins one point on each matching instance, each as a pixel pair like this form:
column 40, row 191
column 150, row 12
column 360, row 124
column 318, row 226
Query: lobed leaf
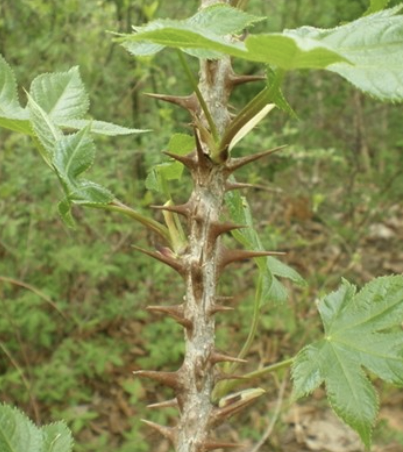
column 374, row 46
column 360, row 332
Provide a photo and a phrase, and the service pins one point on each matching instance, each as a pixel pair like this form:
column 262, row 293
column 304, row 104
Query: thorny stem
column 202, row 263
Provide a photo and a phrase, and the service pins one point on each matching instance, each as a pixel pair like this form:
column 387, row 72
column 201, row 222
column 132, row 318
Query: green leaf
column 205, row 36
column 61, row 95
column 374, row 46
column 282, row 270
column 84, row 193
column 360, row 332
column 290, row 52
column 217, row 20
column 276, row 93
column 45, row 130
column 17, row 125
column 9, row 103
column 91, row 194
column 57, row 438
column 223, row 20
column 142, row 49
column 163, row 172
column 64, row 208
column 99, row 127
column 17, row 432
column 181, row 144
column 376, row 5
column 73, row 155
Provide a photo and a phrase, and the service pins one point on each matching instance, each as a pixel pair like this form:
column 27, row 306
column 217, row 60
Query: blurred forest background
column 73, row 325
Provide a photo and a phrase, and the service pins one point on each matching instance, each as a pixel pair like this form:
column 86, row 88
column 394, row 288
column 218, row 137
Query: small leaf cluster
column 57, row 103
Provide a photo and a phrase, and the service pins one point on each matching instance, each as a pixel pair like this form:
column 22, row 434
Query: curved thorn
column 230, row 256
column 235, row 80
column 167, row 432
column 189, row 103
column 173, row 262
column 182, row 209
column 219, row 308
column 175, row 312
column 187, row 160
column 170, row 379
column 236, row 163
column 213, row 445
column 237, row 186
column 217, row 228
column 217, row 357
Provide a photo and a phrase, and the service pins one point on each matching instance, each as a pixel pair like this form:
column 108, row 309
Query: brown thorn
column 221, row 228
column 182, row 209
column 173, row 403
column 167, row 432
column 236, row 163
column 237, row 186
column 172, row 261
column 187, row 160
column 170, row 379
column 219, row 308
column 235, row 80
column 219, row 415
column 213, row 445
column 189, row 103
column 176, row 312
column 229, row 256
column 217, row 357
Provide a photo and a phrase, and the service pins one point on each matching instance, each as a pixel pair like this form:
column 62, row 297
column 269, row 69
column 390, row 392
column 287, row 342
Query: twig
column 36, row 291
column 25, row 381
column 274, row 418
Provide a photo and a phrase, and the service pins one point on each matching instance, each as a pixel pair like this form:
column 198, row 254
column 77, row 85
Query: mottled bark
column 202, row 263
